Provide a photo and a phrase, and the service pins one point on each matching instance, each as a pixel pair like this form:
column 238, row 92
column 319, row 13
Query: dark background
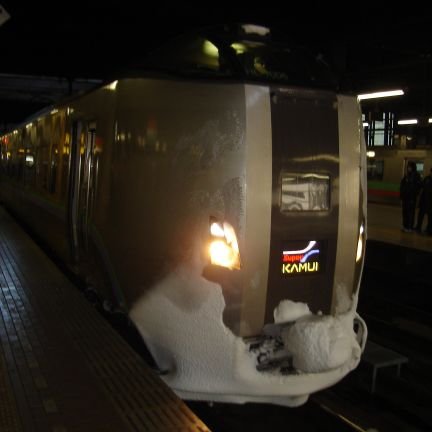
column 51, row 49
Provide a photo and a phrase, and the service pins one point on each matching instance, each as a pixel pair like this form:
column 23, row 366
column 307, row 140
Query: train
column 387, row 165
column 218, row 200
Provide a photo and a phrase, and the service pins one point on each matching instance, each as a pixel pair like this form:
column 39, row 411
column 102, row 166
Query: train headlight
column 224, row 250
column 360, row 243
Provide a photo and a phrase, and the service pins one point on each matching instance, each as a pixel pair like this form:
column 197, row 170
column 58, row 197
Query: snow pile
column 344, row 299
column 288, row 311
column 181, row 321
column 318, row 343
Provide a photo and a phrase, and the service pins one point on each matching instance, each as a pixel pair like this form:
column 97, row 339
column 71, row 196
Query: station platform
column 385, row 223
column 63, row 368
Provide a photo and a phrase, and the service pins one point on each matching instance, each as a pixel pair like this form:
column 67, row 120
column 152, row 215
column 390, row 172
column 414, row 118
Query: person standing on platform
column 425, row 205
column 409, row 188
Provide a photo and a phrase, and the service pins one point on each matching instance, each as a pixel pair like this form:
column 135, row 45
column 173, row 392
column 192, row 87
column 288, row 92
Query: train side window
column 42, row 167
column 20, row 165
column 418, row 163
column 64, row 161
column 53, row 169
column 420, row 167
column 29, row 166
column 29, row 160
column 375, row 169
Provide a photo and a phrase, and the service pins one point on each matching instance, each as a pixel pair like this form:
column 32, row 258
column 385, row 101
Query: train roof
column 244, row 52
column 231, row 52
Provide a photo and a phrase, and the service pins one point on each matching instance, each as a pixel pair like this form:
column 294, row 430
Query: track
column 311, row 417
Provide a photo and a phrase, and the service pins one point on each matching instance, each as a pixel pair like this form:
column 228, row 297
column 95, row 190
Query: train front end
column 272, row 294
column 290, row 276
column 308, row 240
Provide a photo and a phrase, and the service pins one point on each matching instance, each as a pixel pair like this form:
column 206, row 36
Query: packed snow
column 181, row 321
column 319, row 343
column 288, row 310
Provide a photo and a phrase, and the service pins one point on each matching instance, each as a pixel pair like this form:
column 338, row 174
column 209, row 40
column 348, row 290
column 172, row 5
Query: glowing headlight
column 224, row 250
column 360, row 243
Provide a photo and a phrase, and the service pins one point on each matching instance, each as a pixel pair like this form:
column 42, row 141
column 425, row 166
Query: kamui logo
column 301, row 261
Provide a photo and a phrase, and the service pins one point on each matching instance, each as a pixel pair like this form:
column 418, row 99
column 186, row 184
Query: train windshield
column 241, row 55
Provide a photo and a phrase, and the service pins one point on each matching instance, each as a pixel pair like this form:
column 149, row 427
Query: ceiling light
column 112, row 86
column 430, row 120
column 255, row 29
column 380, row 94
column 407, row 122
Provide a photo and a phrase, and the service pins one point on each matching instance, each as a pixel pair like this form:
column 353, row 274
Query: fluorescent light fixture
column 112, row 86
column 380, row 94
column 255, row 29
column 407, row 122
column 239, row 47
column 210, row 49
column 370, row 153
column 365, row 124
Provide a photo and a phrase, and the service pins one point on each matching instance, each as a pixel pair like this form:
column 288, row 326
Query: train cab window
column 304, row 192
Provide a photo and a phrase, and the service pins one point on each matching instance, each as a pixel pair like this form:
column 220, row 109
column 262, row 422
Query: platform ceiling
column 49, row 49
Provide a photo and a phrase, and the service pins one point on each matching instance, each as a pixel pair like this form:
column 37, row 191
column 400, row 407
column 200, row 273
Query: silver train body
column 227, row 219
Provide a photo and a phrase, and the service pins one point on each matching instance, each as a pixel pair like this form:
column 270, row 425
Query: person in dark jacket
column 425, row 205
column 409, row 188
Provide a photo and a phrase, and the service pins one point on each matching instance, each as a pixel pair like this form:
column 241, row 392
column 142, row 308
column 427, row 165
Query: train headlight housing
column 223, row 249
column 360, row 243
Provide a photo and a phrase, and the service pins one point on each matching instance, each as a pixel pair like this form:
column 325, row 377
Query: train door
column 82, row 188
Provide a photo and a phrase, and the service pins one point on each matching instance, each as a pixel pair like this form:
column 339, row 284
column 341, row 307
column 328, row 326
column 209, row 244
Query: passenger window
column 53, row 169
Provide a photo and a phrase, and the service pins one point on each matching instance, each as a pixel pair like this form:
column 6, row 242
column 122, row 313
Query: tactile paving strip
column 69, row 369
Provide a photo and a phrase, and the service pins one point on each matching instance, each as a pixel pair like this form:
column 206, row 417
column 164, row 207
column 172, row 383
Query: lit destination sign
column 307, row 260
